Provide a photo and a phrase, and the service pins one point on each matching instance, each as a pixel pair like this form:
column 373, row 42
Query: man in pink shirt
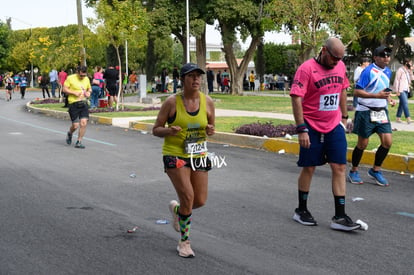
column 62, row 75
column 318, row 96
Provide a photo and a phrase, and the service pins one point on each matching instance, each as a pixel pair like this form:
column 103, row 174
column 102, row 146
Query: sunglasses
column 82, row 75
column 334, row 57
column 384, row 54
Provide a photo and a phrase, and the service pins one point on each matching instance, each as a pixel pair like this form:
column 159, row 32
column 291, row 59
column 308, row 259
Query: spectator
column 226, row 84
column 402, row 86
column 218, row 81
column 44, row 84
column 164, row 83
column 111, row 77
column 176, row 78
column 97, row 84
column 210, row 80
column 133, row 81
column 62, row 78
column 251, row 80
column 364, row 63
column 224, row 74
column 53, row 78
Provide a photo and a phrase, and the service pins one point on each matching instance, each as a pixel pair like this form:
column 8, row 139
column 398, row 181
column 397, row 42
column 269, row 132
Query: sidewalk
column 403, row 126
column 393, row 162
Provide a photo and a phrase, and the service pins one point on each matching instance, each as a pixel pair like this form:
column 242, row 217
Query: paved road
column 67, row 211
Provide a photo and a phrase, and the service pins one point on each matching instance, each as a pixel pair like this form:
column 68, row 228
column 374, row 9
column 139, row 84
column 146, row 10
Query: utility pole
column 187, row 13
column 80, row 30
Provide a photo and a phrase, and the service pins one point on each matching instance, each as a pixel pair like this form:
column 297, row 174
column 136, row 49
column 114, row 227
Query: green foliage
column 4, row 44
column 353, row 20
column 281, row 58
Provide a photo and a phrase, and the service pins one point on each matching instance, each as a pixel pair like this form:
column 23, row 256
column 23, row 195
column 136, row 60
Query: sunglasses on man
column 384, row 54
column 334, row 57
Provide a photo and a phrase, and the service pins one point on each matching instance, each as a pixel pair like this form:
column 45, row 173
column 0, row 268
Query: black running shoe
column 304, row 217
column 69, row 139
column 79, row 145
column 344, row 223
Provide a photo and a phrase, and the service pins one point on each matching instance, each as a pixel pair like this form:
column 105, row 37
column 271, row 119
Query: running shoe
column 354, row 177
column 69, row 139
column 378, row 177
column 184, row 249
column 344, row 223
column 304, row 217
column 174, row 215
column 79, row 145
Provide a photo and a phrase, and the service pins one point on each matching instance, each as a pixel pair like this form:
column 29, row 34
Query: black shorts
column 112, row 90
column 78, row 110
column 197, row 164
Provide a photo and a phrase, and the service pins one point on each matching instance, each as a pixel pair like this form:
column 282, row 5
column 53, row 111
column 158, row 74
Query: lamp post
column 80, row 30
column 187, row 11
column 126, row 57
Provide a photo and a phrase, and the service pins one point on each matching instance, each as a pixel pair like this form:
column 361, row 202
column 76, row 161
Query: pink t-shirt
column 320, row 89
column 99, row 75
column 62, row 77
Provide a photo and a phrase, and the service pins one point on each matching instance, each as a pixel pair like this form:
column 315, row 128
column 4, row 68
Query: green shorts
column 364, row 128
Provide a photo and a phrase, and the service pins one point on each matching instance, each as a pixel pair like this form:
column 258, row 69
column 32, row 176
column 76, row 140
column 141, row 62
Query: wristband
column 304, row 130
column 345, row 117
column 301, row 128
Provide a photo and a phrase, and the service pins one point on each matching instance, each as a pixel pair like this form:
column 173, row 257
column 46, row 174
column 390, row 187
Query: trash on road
column 133, row 229
column 364, row 226
column 357, row 199
column 162, row 222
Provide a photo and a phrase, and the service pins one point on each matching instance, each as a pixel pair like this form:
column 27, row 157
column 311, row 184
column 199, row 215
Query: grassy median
column 402, row 140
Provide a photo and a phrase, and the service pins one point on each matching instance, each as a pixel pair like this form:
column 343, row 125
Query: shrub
column 45, row 101
column 266, row 129
column 125, row 109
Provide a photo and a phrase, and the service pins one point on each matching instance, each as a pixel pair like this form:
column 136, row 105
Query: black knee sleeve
column 356, row 156
column 380, row 155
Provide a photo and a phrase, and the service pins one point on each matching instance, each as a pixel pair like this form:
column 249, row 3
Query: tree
column 313, row 21
column 396, row 35
column 4, row 43
column 281, row 58
column 249, row 18
column 82, row 51
column 119, row 21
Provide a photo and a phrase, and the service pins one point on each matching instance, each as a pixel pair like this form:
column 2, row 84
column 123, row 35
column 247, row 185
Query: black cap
column 190, row 67
column 382, row 49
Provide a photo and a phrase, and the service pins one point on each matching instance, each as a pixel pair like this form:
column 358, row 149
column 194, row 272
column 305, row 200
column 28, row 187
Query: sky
column 54, row 13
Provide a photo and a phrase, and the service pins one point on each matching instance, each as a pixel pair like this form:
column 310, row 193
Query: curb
column 393, row 162
column 65, row 115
